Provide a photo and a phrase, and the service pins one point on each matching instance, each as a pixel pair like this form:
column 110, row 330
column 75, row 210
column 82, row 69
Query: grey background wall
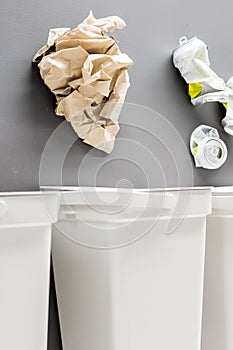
column 151, row 150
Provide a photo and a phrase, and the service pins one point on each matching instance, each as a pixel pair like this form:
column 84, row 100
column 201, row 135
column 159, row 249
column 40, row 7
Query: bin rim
column 222, row 191
column 34, row 207
column 58, row 189
column 26, row 193
column 222, row 200
column 154, row 198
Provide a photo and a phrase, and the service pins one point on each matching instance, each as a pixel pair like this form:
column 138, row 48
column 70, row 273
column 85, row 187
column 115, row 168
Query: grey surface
column 149, row 151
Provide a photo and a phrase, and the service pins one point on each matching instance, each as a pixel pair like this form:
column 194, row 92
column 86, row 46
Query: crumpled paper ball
column 87, row 73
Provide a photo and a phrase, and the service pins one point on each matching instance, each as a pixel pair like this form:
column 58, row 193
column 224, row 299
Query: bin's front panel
column 218, row 295
column 144, row 295
column 24, row 287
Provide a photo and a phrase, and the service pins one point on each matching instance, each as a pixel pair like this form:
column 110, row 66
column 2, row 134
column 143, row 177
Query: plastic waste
column 204, row 85
column 209, row 151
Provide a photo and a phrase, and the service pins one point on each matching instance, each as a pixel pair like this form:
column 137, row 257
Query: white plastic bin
column 218, row 296
column 25, row 243
column 129, row 268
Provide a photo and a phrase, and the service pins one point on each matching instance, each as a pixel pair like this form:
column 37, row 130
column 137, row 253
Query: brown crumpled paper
column 87, row 73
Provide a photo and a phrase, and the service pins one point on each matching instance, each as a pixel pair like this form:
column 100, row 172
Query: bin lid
column 186, row 199
column 100, row 217
column 222, row 200
column 28, row 208
column 222, row 191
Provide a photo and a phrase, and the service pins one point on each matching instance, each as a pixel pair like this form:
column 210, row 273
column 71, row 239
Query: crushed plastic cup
column 209, row 151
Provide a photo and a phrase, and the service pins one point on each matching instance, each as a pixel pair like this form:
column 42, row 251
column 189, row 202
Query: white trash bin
column 218, row 295
column 25, row 244
column 129, row 267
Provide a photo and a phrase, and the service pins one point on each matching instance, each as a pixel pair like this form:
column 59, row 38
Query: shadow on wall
column 176, row 80
column 42, row 103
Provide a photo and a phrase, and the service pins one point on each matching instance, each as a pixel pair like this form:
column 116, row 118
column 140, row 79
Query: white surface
column 142, row 295
column 25, row 243
column 223, row 190
column 22, row 208
column 218, row 296
column 51, row 189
